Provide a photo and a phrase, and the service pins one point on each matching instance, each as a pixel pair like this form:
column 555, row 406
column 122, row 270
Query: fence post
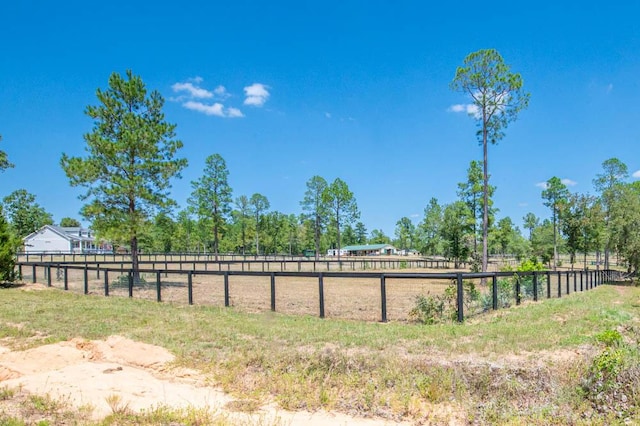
column 321, row 293
column 48, row 271
column 130, row 282
column 106, row 282
column 535, row 286
column 273, row 291
column 190, row 286
column 158, row 295
column 548, row 285
column 86, row 279
column 226, row 289
column 460, row 297
column 494, row 292
column 66, row 277
column 581, row 280
column 33, row 276
column 575, row 281
column 567, row 282
column 559, row 284
column 383, row 297
column 517, row 289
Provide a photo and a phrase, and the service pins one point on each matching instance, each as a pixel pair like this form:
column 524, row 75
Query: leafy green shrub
column 506, row 295
column 431, row 309
column 403, row 264
column 612, row 381
column 609, row 338
column 7, row 252
column 444, row 307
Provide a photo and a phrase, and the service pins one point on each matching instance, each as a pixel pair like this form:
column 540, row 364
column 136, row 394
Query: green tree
column 472, row 193
column 183, row 232
column 4, row 160
column 131, row 160
column 555, row 195
column 379, row 237
column 405, row 233
column 162, row 233
column 608, row 184
column 342, row 206
column 505, row 234
column 497, row 97
column 259, row 204
column 211, row 197
column 430, row 228
column 241, row 216
column 457, row 231
column 530, row 222
column 625, row 224
column 25, row 215
column 583, row 225
column 315, row 208
column 543, row 242
column 360, row 233
column 7, row 251
column 69, row 222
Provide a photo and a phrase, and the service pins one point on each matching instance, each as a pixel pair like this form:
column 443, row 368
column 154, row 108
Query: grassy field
column 540, row 363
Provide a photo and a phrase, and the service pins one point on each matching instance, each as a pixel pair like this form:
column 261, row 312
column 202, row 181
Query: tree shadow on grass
column 11, row 285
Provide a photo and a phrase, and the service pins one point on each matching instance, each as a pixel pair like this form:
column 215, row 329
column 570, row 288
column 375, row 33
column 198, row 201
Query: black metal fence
column 378, row 296
column 237, row 261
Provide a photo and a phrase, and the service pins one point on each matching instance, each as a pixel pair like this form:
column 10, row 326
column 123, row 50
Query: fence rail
column 376, row 296
column 325, row 263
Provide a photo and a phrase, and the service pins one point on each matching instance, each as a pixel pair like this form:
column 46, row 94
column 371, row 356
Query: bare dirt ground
column 101, row 376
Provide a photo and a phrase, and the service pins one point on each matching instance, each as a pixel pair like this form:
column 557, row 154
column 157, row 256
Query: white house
column 370, row 250
column 55, row 239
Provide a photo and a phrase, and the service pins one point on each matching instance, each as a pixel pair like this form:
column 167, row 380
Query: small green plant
column 429, row 309
column 609, row 338
column 6, row 393
column 403, row 264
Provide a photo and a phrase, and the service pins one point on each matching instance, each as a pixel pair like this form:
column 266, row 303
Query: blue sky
column 351, row 89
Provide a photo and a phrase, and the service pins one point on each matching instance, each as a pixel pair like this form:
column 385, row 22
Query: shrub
column 612, row 381
column 444, row 307
column 7, row 252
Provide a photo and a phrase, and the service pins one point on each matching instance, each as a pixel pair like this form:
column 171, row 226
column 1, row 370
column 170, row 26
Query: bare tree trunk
column 485, row 207
column 135, row 265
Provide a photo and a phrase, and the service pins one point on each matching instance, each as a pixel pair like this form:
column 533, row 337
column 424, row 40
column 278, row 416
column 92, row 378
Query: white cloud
column 192, row 94
column 414, row 215
column 193, row 91
column 565, row 181
column 523, row 204
column 470, row 109
column 256, row 94
column 327, row 114
column 216, row 109
column 609, row 88
column 636, row 174
column 221, row 92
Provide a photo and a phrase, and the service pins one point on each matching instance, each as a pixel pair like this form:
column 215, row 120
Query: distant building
column 55, row 239
column 334, row 252
column 370, row 250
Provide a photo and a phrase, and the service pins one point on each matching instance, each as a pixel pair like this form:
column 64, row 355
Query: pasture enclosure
column 366, row 295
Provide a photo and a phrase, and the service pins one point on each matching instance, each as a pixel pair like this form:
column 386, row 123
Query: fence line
column 522, row 285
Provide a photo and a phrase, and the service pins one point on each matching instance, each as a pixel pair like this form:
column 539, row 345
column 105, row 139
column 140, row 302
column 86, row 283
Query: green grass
column 496, row 368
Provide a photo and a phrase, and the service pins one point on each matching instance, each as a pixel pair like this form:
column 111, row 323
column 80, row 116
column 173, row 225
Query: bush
column 612, row 381
column 7, row 252
column 444, row 307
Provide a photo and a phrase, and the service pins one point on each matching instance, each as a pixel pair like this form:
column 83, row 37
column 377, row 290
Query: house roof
column 69, row 234
column 366, row 247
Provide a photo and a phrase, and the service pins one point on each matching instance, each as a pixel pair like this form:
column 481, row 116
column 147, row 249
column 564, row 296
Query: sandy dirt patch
column 137, row 375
